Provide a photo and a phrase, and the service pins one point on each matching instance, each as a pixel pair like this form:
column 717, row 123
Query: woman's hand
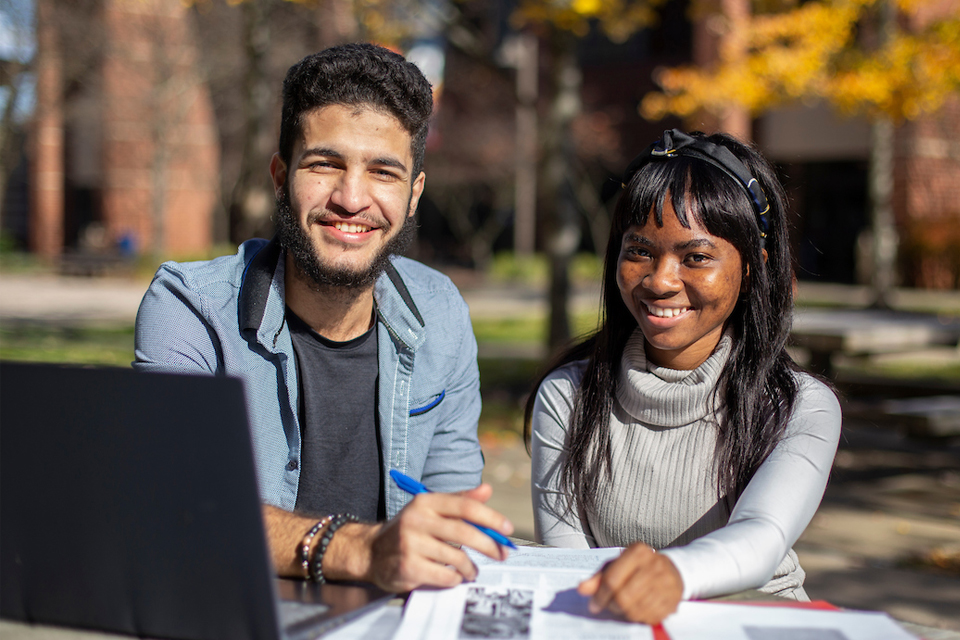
column 641, row 585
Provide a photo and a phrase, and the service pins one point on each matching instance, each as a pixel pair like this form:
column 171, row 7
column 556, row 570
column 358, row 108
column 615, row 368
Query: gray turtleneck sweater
column 663, row 492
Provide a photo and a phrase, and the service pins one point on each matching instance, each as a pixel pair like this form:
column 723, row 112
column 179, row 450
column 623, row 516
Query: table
column 20, row 631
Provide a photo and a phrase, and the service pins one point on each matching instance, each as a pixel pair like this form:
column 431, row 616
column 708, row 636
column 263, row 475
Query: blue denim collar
column 395, row 305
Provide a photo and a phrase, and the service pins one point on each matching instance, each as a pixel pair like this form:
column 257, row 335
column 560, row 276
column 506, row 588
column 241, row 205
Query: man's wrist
column 314, row 565
column 349, row 553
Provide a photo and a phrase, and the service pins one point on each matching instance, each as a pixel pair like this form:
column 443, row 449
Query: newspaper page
column 531, row 596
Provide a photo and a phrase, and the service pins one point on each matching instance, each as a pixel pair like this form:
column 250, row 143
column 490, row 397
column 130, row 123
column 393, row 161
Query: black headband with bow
column 676, row 143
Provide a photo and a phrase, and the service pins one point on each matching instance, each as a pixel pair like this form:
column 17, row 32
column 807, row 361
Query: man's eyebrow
column 383, row 161
column 390, row 162
column 321, row 151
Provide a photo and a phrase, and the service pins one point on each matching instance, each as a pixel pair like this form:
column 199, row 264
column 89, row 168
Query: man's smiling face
column 345, row 198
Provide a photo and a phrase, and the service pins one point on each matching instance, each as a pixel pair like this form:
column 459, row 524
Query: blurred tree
column 891, row 60
column 559, row 25
column 16, row 67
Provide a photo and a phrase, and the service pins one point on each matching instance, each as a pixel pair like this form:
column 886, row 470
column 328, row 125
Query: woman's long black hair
column 757, row 387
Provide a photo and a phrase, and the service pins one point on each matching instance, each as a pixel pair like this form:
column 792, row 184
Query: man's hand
column 641, row 585
column 413, row 549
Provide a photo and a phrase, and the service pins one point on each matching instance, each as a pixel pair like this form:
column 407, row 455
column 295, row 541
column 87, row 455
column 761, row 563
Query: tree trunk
column 256, row 96
column 883, row 227
column 46, row 206
column 559, row 201
column 722, row 41
column 8, row 136
column 525, row 208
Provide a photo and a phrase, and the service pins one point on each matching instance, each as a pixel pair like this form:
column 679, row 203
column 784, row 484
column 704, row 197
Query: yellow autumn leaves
column 619, row 19
column 841, row 51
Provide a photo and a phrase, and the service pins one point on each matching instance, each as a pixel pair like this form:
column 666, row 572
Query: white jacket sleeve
column 774, row 509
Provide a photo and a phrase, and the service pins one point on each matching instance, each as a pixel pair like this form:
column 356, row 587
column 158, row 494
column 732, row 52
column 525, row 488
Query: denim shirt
column 227, row 317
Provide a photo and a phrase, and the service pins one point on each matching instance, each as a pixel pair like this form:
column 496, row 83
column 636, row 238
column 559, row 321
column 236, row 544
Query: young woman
column 682, row 430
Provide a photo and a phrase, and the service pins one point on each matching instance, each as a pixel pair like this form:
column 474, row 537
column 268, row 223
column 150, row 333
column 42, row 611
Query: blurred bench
column 925, row 417
column 95, row 264
column 826, row 333
column 866, row 332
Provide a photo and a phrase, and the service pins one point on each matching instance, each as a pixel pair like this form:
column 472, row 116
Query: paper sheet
column 531, row 596
column 723, row 621
column 584, row 560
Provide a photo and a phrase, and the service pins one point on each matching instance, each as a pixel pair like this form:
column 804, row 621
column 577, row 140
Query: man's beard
column 293, row 237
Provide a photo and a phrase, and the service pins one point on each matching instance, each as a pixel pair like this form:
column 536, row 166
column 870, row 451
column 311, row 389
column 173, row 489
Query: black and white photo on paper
column 496, row 613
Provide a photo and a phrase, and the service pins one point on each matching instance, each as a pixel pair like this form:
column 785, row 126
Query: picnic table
column 826, row 333
column 866, row 332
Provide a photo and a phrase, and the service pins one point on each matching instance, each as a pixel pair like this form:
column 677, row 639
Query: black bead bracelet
column 316, row 564
column 306, row 545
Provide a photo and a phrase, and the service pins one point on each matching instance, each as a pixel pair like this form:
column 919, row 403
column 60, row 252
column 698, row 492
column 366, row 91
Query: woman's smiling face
column 681, row 285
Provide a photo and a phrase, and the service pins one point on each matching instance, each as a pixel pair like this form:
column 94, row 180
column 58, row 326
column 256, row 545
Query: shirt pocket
column 427, row 404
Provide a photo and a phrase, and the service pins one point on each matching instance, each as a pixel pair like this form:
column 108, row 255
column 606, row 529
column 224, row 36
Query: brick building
column 927, row 199
column 124, row 151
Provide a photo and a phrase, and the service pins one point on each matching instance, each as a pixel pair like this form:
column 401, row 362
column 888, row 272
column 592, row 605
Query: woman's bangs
column 650, row 188
column 719, row 204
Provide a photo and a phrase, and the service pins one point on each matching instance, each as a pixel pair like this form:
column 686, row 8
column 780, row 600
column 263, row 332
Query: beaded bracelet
column 305, row 545
column 316, row 568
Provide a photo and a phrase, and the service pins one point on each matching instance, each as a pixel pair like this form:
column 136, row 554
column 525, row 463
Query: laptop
column 129, row 503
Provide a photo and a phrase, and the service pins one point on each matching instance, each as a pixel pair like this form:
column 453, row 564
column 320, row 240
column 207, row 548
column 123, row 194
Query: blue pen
column 413, row 487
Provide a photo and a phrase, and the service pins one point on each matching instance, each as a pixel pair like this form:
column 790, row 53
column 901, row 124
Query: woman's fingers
column 652, row 594
column 616, row 574
column 641, row 585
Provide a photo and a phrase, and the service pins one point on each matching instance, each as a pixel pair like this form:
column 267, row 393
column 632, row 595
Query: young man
column 355, row 361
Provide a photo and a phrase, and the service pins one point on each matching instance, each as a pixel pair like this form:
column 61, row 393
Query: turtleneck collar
column 663, row 397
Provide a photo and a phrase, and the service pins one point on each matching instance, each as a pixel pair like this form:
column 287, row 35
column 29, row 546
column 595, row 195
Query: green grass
column 506, row 266
column 79, row 345
column 529, row 329
column 504, row 385
column 499, row 417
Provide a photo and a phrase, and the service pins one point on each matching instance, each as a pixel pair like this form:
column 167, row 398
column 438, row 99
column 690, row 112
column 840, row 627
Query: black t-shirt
column 340, row 461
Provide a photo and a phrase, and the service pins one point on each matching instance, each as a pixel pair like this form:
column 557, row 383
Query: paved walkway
column 65, row 300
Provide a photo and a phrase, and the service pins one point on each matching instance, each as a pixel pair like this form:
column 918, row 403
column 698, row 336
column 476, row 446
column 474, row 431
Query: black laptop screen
column 128, row 503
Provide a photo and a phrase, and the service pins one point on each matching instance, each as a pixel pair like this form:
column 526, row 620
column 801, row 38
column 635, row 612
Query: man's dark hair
column 357, row 75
